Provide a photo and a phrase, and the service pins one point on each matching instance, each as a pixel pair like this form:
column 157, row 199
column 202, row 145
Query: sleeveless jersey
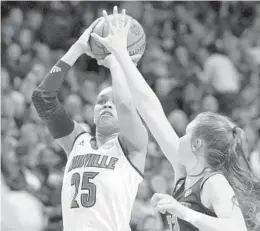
column 99, row 187
column 190, row 198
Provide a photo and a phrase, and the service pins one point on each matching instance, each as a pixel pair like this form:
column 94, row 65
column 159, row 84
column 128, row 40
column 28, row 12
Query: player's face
column 105, row 111
column 185, row 143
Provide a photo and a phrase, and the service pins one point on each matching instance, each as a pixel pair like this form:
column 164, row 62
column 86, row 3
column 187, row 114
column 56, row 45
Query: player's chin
column 107, row 122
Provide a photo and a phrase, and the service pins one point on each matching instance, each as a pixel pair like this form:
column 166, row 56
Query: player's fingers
column 156, row 197
column 135, row 58
column 90, row 54
column 93, row 24
column 163, row 208
column 123, row 18
column 99, row 39
column 128, row 24
column 101, row 62
column 160, row 209
column 110, row 26
column 115, row 13
column 163, row 202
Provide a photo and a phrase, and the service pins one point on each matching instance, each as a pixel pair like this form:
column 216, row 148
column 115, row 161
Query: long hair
column 226, row 152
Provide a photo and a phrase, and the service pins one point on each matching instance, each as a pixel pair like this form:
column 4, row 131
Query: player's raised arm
column 144, row 98
column 45, row 96
column 133, row 135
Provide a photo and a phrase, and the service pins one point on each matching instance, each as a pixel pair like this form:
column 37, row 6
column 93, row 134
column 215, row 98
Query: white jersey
column 99, row 187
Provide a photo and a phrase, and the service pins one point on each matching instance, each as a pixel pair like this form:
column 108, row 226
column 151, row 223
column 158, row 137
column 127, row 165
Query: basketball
column 136, row 39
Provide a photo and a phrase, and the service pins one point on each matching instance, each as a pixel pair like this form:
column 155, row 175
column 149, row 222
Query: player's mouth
column 106, row 113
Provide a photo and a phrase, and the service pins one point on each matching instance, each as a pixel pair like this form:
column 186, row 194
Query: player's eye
column 101, row 102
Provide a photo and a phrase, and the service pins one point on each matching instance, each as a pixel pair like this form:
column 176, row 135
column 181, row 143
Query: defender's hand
column 165, row 203
column 116, row 41
column 110, row 61
column 83, row 41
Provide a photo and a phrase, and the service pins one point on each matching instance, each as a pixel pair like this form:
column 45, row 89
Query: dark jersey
column 190, row 198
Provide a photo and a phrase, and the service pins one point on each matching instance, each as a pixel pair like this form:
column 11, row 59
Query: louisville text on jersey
column 93, row 160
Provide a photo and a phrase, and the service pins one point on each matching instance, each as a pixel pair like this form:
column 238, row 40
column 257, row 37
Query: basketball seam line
column 136, row 41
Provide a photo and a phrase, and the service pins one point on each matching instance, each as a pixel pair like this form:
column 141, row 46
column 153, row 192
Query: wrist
column 72, row 54
column 121, row 54
column 77, row 49
column 191, row 216
column 113, row 63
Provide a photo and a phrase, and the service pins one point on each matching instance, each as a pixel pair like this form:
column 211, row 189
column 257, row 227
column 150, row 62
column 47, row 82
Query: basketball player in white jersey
column 102, row 174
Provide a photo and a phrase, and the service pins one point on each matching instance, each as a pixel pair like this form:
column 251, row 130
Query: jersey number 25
column 87, row 199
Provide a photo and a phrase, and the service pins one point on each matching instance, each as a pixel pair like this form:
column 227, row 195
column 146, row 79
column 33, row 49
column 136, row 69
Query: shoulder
column 217, row 188
column 68, row 142
column 81, row 138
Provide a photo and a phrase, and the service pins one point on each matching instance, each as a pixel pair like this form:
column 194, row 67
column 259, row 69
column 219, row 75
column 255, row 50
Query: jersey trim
column 77, row 138
column 126, row 156
column 206, row 177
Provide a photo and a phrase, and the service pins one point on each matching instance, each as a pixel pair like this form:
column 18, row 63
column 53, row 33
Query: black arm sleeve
column 46, row 103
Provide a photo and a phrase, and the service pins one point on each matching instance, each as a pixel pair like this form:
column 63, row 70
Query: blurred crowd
column 200, row 56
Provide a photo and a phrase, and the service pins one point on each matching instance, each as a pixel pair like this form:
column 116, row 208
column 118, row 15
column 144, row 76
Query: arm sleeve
column 47, row 105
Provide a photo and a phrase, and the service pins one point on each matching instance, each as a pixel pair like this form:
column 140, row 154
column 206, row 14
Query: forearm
column 207, row 223
column 133, row 134
column 150, row 109
column 143, row 96
column 121, row 92
column 45, row 96
column 53, row 81
column 72, row 55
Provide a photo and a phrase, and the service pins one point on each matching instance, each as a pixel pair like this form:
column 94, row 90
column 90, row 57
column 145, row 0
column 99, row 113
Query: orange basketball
column 136, row 39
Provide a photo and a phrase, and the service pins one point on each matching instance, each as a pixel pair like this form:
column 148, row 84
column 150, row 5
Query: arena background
column 200, row 56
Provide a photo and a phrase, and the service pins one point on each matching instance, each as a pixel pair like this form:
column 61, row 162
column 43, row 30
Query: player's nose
column 108, row 105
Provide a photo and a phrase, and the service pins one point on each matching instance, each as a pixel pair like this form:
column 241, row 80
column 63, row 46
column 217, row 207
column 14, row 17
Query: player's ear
column 196, row 145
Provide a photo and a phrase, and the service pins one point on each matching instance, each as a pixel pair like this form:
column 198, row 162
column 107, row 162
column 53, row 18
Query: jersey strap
column 206, row 177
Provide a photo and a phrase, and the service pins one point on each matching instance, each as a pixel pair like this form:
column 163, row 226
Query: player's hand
column 110, row 61
column 165, row 203
column 83, row 41
column 116, row 41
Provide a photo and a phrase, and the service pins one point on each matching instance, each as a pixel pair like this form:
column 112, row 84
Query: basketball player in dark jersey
column 215, row 188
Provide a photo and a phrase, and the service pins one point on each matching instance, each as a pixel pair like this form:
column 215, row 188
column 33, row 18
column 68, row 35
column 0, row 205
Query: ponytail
column 240, row 176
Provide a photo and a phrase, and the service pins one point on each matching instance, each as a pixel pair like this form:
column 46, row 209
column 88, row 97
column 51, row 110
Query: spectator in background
column 179, row 121
column 221, row 74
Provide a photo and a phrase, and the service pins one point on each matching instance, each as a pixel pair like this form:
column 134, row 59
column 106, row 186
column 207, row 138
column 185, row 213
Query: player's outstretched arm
column 144, row 98
column 45, row 96
column 133, row 134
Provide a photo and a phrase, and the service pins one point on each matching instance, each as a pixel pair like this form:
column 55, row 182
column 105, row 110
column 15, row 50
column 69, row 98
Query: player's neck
column 102, row 139
column 196, row 170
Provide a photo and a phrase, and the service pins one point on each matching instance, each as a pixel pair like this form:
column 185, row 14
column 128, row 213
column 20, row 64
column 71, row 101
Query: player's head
column 214, row 139
column 217, row 143
column 105, row 114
